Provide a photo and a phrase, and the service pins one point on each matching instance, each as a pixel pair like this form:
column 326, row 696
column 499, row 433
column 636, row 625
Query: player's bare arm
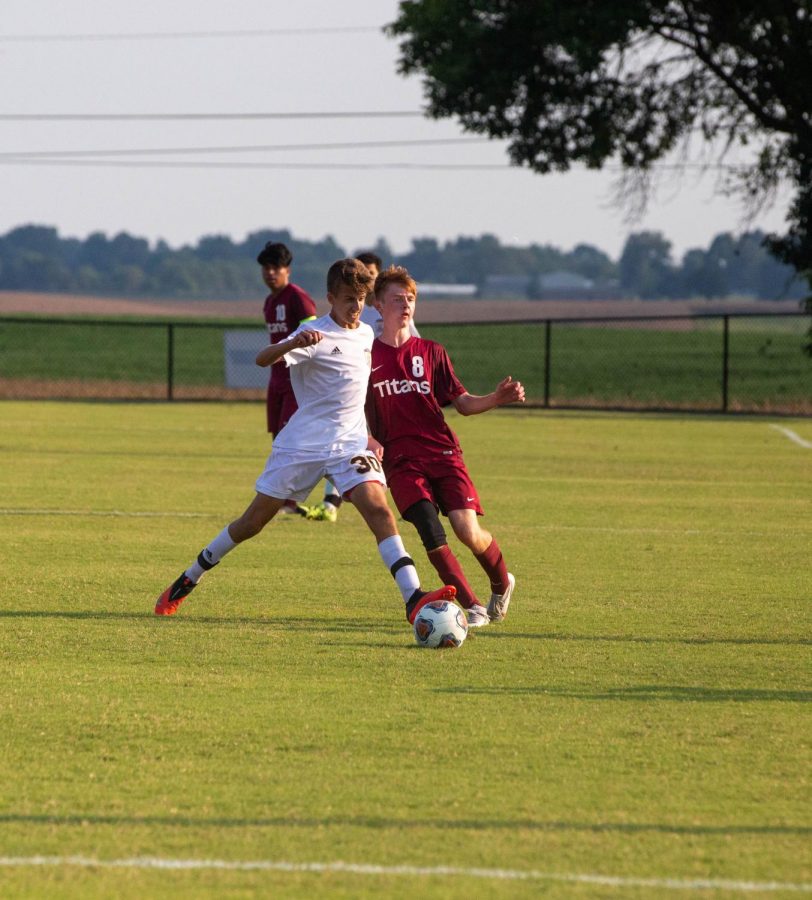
column 375, row 447
column 274, row 352
column 507, row 391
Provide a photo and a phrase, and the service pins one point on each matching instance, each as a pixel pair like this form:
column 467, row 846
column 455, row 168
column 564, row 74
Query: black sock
column 413, row 601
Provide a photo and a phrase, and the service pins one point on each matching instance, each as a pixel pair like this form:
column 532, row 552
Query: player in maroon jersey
column 411, row 380
column 286, row 307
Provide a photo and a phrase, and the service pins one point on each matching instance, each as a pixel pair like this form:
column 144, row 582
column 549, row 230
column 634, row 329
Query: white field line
column 788, row 432
column 148, row 862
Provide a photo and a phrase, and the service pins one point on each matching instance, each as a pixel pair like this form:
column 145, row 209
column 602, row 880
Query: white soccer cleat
column 477, row 616
column 498, row 605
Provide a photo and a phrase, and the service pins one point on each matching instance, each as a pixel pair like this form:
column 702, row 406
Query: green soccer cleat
column 323, row 512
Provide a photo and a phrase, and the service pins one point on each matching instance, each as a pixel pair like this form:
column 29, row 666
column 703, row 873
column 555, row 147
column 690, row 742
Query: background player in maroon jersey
column 410, row 381
column 286, row 307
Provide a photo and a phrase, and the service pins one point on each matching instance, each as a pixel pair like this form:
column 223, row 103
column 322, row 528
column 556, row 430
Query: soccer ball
column 440, row 624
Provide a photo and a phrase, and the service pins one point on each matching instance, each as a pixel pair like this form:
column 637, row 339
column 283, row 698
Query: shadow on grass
column 647, row 693
column 330, row 623
column 286, row 623
column 374, row 822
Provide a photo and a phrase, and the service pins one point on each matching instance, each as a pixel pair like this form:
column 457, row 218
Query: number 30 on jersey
column 364, row 463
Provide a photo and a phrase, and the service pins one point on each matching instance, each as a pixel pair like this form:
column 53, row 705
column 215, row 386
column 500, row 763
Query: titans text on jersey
column 392, row 386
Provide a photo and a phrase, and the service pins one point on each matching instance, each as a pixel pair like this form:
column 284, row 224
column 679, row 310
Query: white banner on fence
column 241, row 348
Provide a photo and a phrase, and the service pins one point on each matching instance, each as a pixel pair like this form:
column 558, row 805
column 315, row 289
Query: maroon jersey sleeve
column 301, row 307
column 446, row 385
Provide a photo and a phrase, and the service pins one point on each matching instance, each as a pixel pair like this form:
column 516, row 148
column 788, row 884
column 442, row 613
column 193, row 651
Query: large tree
column 630, row 82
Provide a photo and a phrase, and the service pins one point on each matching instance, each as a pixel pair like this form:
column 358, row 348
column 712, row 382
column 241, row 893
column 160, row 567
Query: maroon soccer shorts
column 281, row 406
column 442, row 480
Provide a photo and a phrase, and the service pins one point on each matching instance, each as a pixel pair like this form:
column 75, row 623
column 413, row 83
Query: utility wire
column 325, row 166
column 147, row 151
column 202, row 164
column 185, row 35
column 163, row 117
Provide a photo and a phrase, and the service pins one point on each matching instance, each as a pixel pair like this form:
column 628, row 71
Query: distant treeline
column 36, row 258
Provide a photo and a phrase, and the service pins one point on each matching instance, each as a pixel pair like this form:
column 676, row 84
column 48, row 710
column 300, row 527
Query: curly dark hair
column 275, row 254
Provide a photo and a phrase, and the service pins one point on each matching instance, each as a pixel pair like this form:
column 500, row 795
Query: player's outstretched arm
column 507, row 391
column 274, row 352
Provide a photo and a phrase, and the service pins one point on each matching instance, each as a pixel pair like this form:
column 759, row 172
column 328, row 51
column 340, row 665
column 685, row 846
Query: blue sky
column 373, row 191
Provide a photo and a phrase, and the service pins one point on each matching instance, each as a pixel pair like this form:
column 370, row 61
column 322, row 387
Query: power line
column 185, row 35
column 254, row 148
column 163, row 117
column 324, row 166
column 203, row 164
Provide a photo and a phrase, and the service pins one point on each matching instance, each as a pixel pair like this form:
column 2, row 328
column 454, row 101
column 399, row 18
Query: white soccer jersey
column 329, row 380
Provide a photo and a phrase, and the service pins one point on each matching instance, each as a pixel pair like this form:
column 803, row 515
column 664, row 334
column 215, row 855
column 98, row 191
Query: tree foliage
column 36, row 258
column 630, row 81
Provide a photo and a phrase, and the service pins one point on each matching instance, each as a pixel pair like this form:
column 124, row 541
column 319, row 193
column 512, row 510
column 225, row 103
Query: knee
column 381, row 517
column 423, row 515
column 476, row 539
column 247, row 526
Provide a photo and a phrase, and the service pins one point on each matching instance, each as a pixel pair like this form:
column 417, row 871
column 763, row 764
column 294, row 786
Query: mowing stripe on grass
column 607, row 529
column 107, row 513
column 150, row 862
column 792, row 436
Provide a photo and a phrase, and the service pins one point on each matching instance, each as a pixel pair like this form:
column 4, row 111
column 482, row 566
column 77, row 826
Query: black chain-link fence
column 736, row 362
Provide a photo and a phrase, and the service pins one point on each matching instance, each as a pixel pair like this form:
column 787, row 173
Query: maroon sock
column 450, row 572
column 494, row 566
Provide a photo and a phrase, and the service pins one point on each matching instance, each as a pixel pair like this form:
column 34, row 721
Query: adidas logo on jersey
column 335, row 350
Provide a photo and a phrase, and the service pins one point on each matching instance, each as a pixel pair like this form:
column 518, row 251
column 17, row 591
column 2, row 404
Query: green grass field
column 635, row 366
column 637, row 727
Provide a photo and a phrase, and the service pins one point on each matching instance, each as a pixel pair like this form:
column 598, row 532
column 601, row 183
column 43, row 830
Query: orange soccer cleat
column 419, row 599
column 168, row 603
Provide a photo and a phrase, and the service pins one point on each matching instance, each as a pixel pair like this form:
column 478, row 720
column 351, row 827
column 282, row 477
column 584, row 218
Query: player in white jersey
column 327, row 510
column 329, row 359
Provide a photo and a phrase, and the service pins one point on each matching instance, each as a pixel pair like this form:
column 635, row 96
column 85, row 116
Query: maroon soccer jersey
column 283, row 313
column 408, row 386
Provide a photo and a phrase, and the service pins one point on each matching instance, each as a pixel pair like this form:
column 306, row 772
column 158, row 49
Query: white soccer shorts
column 292, row 475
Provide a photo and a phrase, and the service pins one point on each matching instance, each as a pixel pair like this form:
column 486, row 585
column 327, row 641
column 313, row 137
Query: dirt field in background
column 429, row 311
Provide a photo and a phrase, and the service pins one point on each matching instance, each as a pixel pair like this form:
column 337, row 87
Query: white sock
column 400, row 564
column 211, row 555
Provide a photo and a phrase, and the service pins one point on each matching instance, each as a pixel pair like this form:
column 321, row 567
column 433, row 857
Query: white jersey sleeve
column 298, row 354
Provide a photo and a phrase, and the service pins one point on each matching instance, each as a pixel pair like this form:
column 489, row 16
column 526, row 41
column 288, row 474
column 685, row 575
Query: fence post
column 170, row 359
column 725, row 359
column 547, row 329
